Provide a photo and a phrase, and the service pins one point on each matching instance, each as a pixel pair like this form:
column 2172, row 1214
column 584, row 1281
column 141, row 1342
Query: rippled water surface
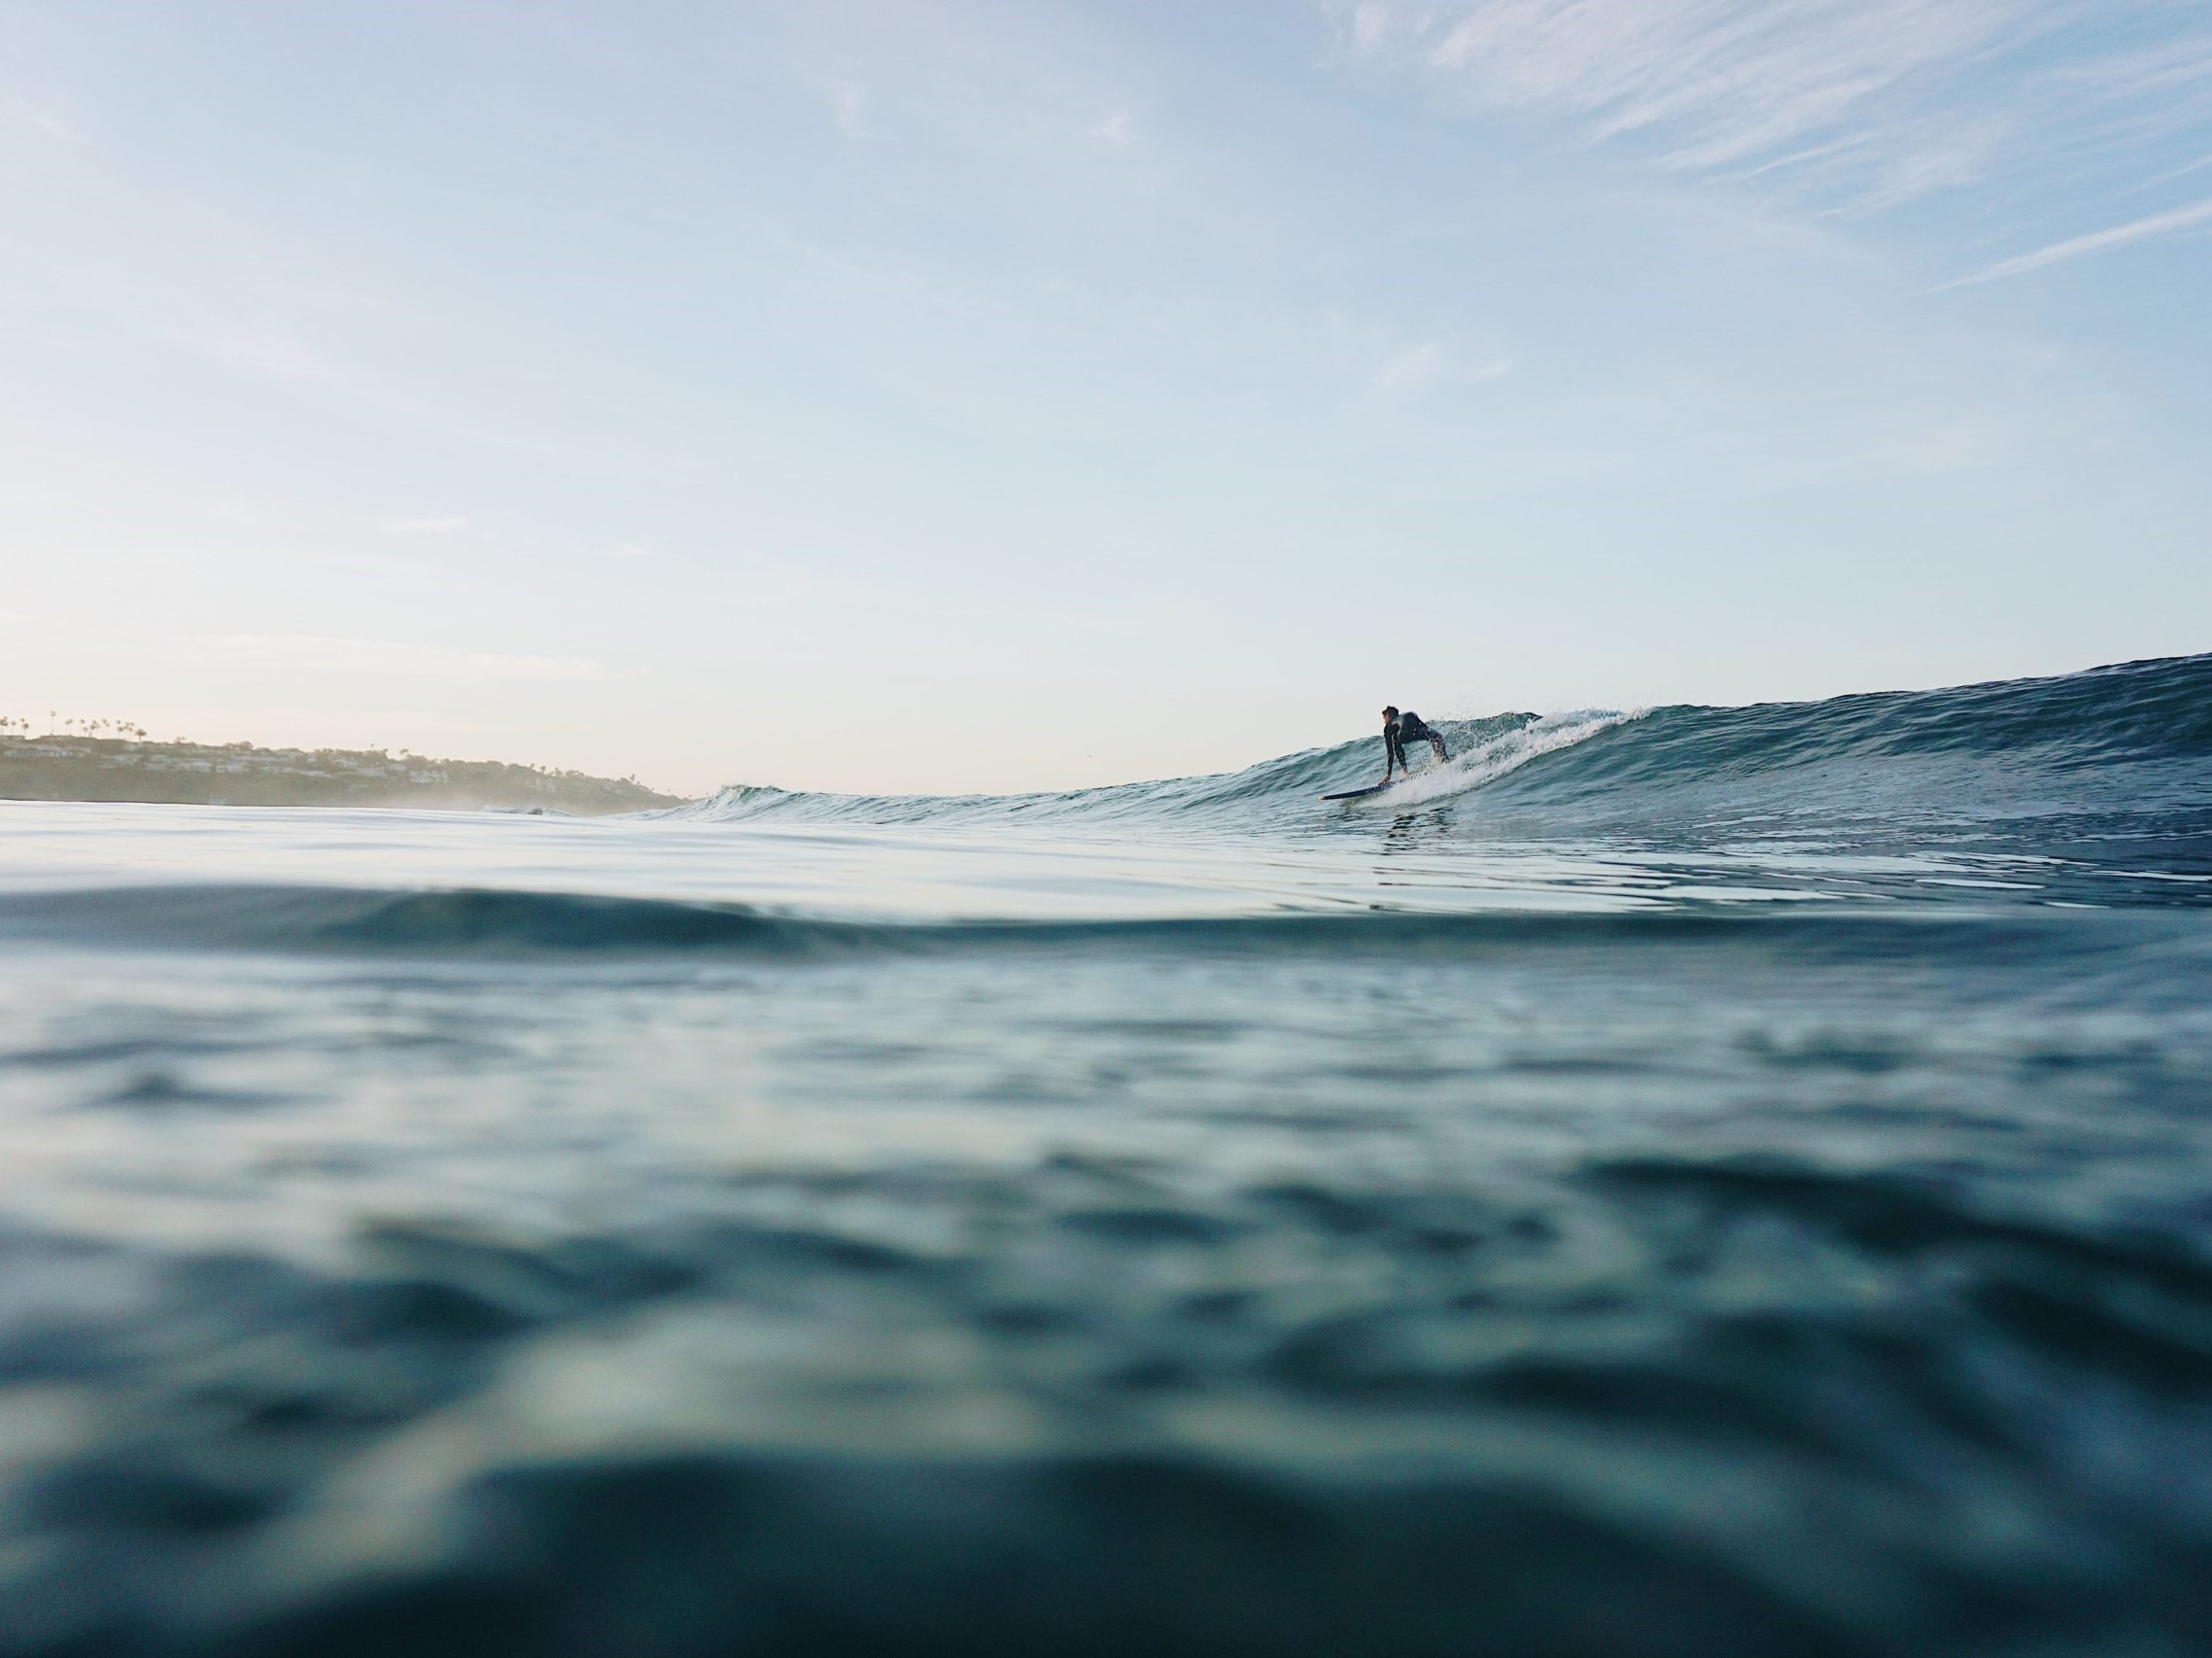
column 1704, row 1182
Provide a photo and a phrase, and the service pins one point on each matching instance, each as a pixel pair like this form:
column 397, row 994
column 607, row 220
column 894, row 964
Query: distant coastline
column 84, row 768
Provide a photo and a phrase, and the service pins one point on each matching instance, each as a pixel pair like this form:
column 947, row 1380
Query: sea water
column 1690, row 1182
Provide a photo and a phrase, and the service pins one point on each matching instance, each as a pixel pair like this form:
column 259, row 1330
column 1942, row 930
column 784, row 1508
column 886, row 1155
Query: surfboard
column 1371, row 788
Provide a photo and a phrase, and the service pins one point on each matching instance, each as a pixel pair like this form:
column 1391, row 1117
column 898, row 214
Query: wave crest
column 2128, row 733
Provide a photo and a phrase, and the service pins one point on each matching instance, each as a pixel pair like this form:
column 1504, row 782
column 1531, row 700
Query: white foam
column 1487, row 762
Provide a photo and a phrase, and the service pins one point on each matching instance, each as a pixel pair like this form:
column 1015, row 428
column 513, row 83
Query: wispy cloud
column 848, row 108
column 1412, row 368
column 1856, row 104
column 1417, row 367
column 1117, row 129
column 2181, row 172
column 386, row 658
column 1042, row 82
column 278, row 356
column 1722, row 80
column 45, row 120
column 444, row 523
column 2141, row 229
column 262, row 353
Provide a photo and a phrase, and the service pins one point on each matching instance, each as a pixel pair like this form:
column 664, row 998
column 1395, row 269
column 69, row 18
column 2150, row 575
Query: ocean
column 1686, row 1181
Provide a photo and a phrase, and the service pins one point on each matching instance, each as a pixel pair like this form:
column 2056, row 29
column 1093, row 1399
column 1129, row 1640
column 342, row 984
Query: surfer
column 1400, row 728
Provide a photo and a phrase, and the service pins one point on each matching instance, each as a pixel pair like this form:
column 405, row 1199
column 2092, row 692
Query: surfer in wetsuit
column 1399, row 729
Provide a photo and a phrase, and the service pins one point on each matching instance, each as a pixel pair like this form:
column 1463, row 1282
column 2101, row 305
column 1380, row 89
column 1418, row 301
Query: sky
column 893, row 394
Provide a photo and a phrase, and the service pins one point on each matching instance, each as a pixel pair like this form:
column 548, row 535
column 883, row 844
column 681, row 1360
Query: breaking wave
column 2133, row 735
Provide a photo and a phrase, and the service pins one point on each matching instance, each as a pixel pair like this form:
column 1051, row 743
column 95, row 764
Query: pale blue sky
column 1009, row 394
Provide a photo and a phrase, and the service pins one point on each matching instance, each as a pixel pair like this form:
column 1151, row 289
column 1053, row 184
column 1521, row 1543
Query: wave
column 498, row 924
column 2094, row 788
column 2154, row 713
column 2123, row 735
column 1217, row 797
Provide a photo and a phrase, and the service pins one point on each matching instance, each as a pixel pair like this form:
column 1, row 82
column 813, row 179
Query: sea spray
column 1493, row 757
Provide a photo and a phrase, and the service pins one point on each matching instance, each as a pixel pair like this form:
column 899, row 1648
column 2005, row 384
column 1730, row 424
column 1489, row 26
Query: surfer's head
column 1389, row 713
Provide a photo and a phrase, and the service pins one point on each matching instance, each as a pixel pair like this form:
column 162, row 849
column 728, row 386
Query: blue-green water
column 1708, row 1182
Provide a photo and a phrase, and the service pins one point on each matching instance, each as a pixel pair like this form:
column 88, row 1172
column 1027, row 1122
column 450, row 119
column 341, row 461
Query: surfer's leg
column 1436, row 741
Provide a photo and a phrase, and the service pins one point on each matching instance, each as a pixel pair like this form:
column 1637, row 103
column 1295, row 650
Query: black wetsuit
column 1405, row 728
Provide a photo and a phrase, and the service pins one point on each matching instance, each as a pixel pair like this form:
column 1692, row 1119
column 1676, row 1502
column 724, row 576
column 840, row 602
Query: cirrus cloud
column 1856, row 105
